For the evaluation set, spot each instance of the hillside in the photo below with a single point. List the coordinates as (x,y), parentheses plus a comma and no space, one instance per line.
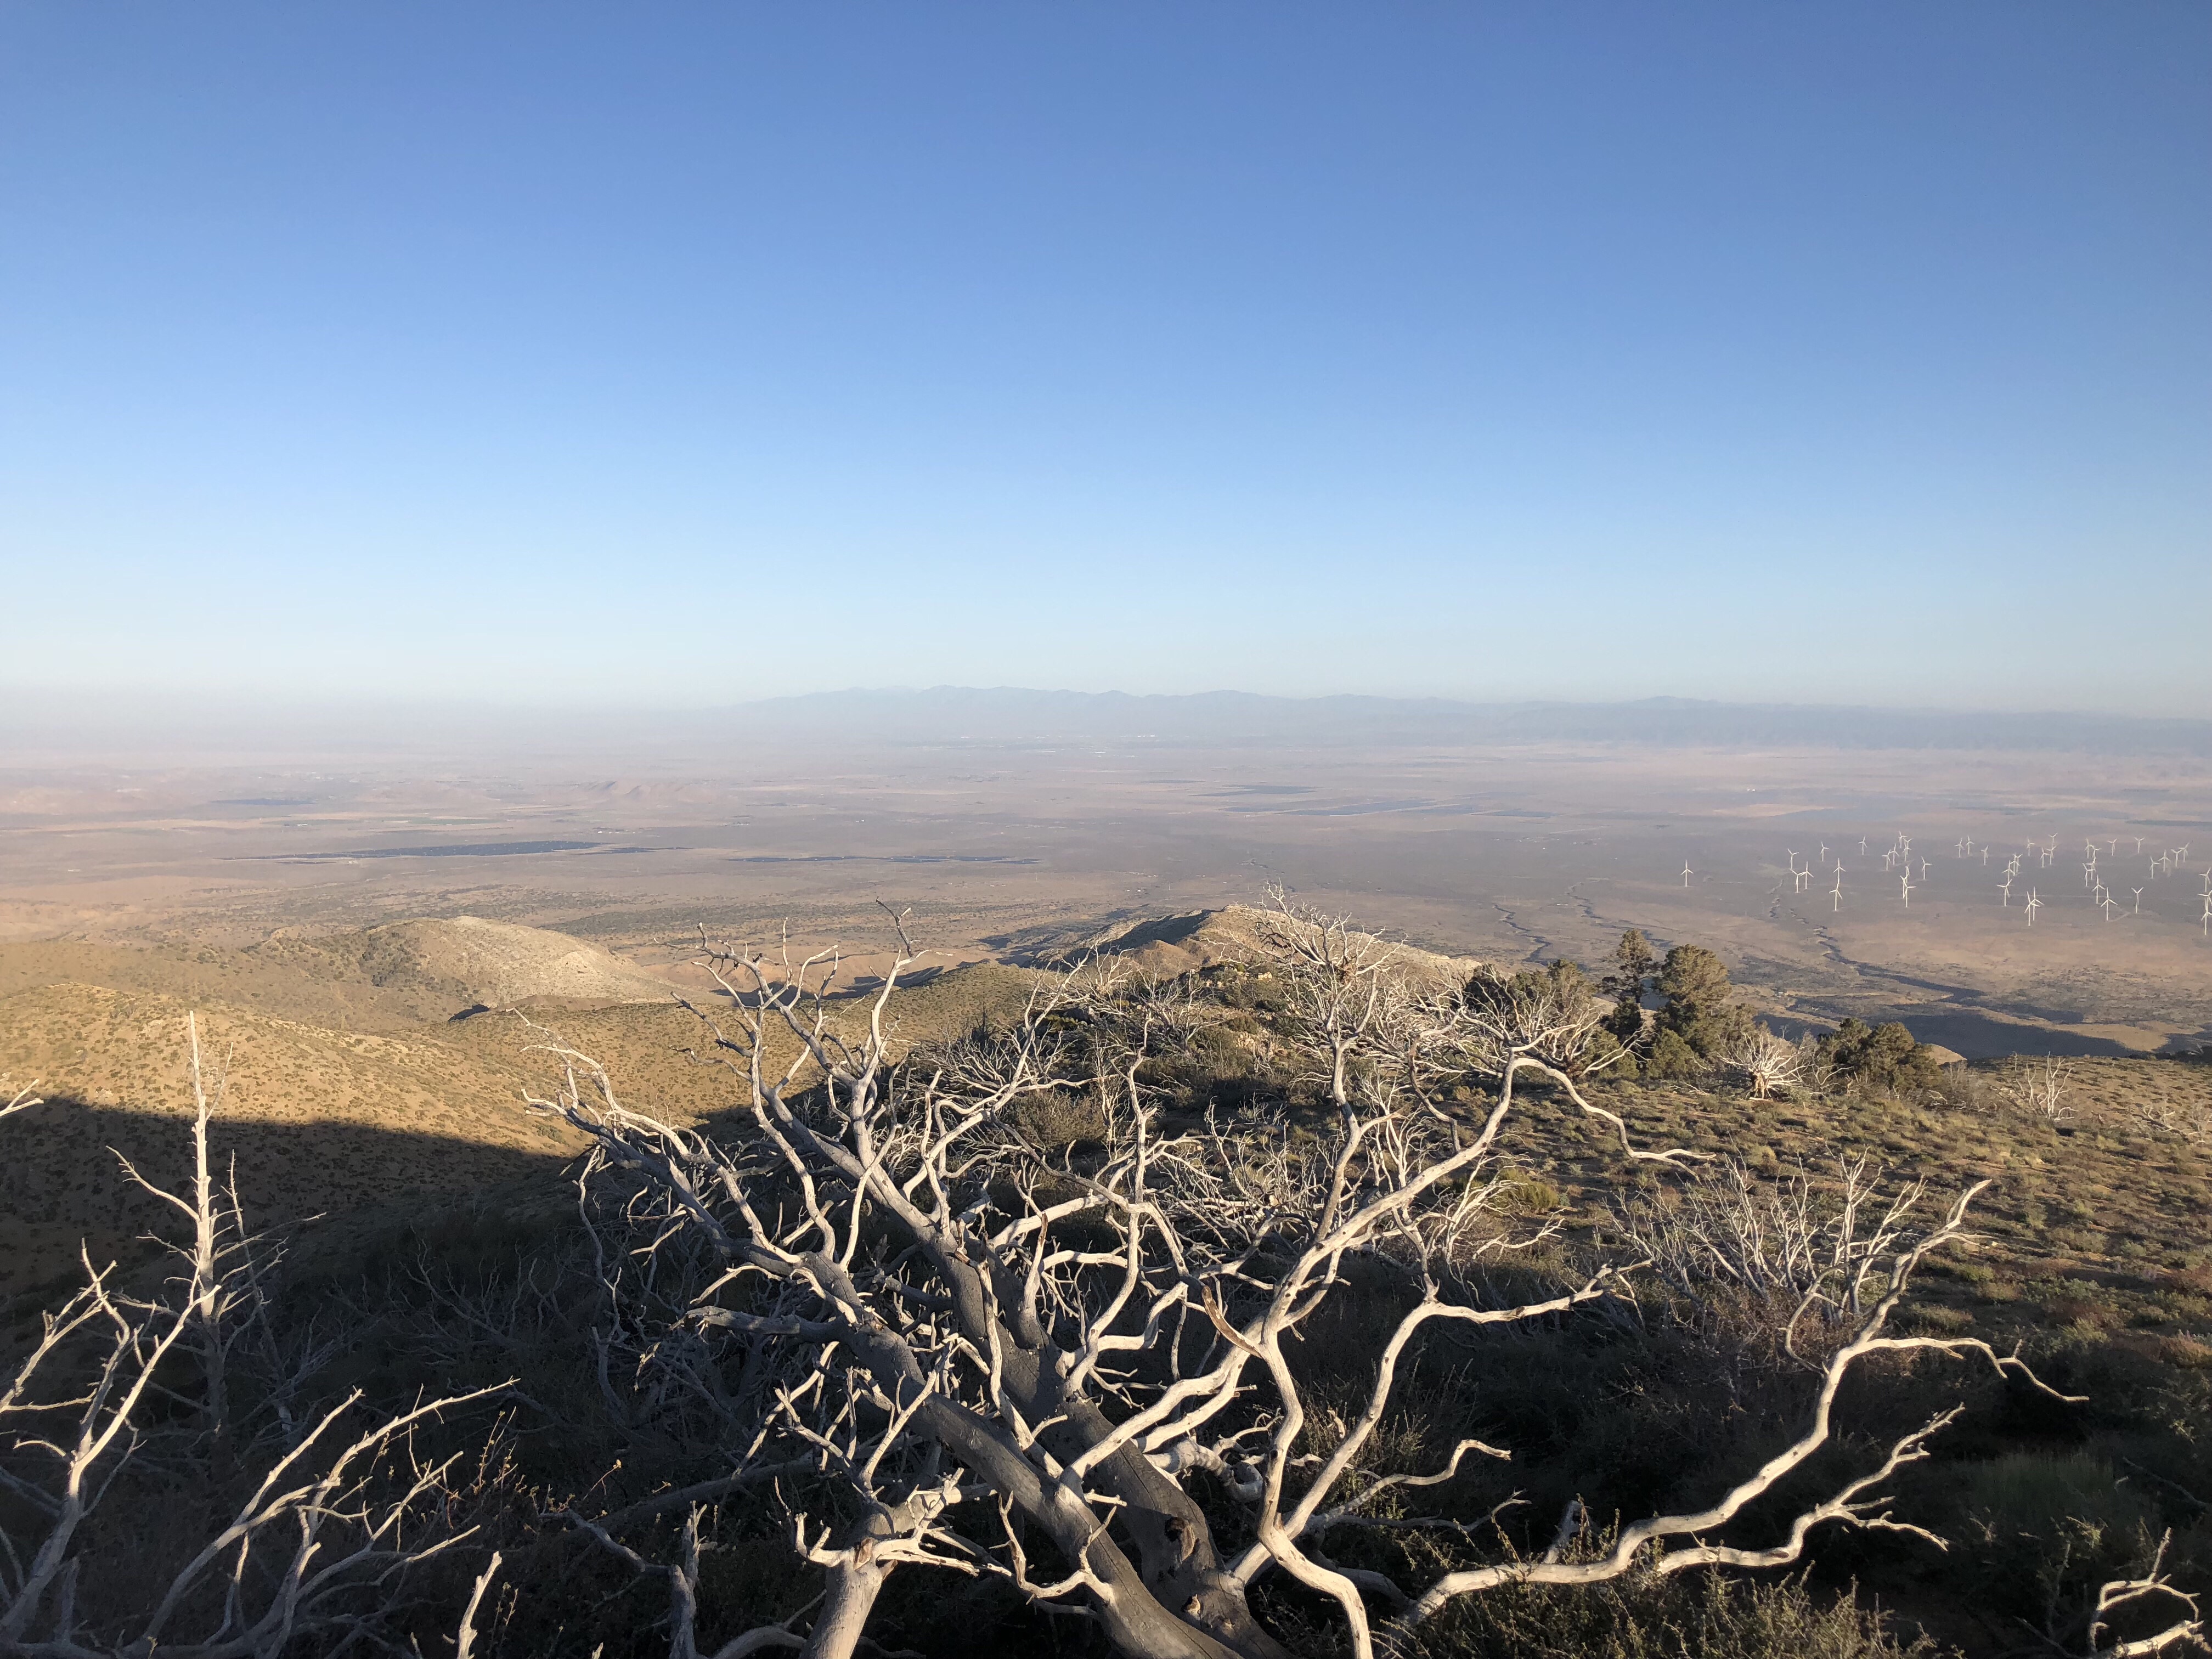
(2089,1245)
(470,962)
(330,1121)
(319,1120)
(297,985)
(661,1058)
(1169,946)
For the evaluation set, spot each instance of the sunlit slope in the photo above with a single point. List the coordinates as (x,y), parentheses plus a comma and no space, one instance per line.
(468,961)
(1169,946)
(296,987)
(663,1059)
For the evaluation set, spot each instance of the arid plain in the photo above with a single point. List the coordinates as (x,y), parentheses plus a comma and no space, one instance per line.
(1510,853)
(375,943)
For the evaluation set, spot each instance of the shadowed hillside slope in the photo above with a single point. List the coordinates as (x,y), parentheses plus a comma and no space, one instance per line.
(326,1121)
(338,1119)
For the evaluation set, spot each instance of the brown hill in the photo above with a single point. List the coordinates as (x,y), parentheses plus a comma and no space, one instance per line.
(320,1121)
(662,1057)
(338,1123)
(299,986)
(469,961)
(1205,938)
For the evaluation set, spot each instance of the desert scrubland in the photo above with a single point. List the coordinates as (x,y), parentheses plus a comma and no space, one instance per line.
(1094,1286)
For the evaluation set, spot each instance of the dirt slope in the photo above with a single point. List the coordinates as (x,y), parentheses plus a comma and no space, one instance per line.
(306,989)
(320,1121)
(333,1122)
(1205,938)
(469,961)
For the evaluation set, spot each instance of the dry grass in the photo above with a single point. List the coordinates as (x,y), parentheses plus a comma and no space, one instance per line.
(328,1121)
(2094,1247)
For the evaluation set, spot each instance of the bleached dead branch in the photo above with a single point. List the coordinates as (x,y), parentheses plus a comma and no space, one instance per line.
(1766,1063)
(2039,1089)
(320,1542)
(929,1311)
(2153,1589)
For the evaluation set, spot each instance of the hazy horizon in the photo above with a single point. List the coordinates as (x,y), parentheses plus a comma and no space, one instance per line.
(50,725)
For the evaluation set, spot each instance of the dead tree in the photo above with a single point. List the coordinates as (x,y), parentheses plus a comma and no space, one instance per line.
(2153,1589)
(1766,1063)
(977,1347)
(319,1541)
(2042,1090)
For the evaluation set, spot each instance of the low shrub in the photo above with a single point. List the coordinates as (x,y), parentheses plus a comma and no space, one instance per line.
(1683,1617)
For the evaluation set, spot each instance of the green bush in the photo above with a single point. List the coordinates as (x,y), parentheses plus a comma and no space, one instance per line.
(1883,1060)
(1671,1059)
(1701,1012)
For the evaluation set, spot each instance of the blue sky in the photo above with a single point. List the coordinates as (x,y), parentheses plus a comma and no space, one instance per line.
(682,353)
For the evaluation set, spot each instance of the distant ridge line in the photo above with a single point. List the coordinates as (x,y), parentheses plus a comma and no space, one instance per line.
(157,729)
(1003,711)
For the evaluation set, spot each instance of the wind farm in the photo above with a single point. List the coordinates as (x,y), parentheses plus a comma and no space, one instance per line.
(1943,911)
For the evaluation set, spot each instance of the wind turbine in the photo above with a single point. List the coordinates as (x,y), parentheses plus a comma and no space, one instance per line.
(1686,873)
(2207,912)
(1905,884)
(1839,887)
(2138,909)
(2035,904)
(2108,902)
(2005,888)
(1824,855)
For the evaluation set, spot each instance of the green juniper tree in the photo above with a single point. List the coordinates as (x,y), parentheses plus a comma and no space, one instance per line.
(1634,963)
(1701,1023)
(1558,989)
(1885,1059)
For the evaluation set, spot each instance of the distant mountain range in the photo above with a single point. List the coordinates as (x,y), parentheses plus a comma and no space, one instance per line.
(1001,714)
(48,724)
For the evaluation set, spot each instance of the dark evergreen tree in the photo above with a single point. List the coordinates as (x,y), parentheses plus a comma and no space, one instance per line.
(1885,1059)
(1562,987)
(1701,1022)
(1633,965)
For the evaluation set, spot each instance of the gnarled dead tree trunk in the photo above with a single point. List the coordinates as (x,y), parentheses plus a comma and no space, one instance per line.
(318,1543)
(975,1343)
